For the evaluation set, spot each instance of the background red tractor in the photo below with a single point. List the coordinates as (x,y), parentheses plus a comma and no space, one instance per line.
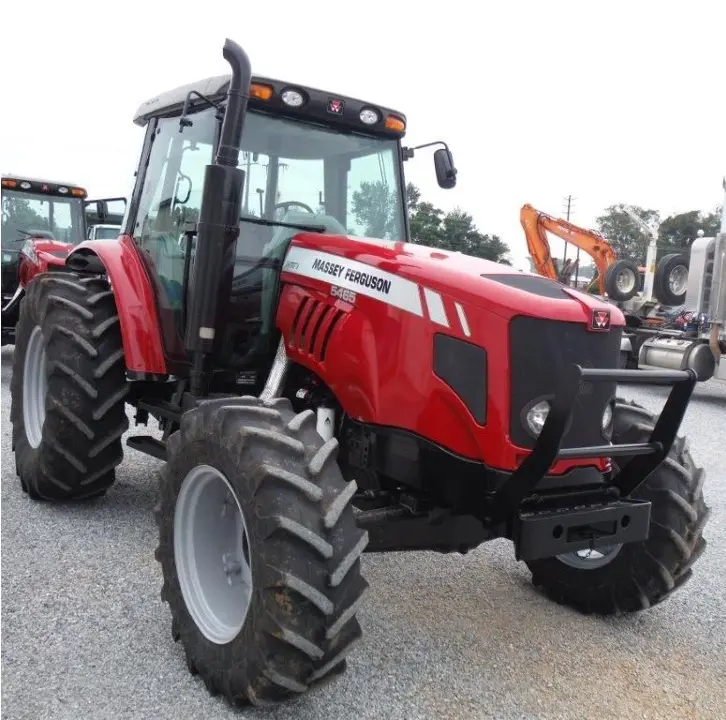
(42,220)
(326,388)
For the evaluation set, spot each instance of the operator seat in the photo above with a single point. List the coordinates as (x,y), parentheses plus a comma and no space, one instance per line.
(276,249)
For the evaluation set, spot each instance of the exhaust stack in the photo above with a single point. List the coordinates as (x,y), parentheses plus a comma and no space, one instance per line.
(210,283)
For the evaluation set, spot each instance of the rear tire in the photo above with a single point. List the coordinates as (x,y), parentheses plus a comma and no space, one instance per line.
(638,575)
(68,388)
(621,280)
(670,281)
(301,557)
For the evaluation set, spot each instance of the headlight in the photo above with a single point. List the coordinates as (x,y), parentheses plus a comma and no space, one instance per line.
(537,416)
(28,250)
(607,418)
(293,98)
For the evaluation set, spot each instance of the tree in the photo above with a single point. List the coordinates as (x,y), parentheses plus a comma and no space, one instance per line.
(374,207)
(677,232)
(17,214)
(453,231)
(625,236)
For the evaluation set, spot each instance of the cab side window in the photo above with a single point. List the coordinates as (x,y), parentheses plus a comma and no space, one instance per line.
(172,196)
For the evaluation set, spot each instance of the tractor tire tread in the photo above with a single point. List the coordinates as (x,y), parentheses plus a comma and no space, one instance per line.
(85,403)
(306,567)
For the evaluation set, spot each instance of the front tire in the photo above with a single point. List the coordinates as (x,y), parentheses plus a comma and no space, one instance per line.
(68,388)
(293,550)
(637,576)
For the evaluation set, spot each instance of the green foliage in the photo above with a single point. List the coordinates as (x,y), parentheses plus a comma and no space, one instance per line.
(17,214)
(374,207)
(675,233)
(625,236)
(453,231)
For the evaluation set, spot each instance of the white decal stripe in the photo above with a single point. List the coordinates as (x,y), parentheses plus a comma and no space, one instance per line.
(462,319)
(437,311)
(359,277)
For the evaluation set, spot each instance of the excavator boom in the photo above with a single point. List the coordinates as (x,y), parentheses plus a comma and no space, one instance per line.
(537,223)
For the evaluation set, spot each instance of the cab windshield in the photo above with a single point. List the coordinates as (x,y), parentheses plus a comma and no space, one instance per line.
(349,183)
(27,214)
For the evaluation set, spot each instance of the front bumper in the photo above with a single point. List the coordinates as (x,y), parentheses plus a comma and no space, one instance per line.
(543,526)
(548,533)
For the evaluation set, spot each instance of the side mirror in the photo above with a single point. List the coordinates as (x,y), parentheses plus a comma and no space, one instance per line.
(102,210)
(445,170)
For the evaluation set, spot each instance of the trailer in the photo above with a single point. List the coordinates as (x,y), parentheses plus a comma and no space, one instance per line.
(694,334)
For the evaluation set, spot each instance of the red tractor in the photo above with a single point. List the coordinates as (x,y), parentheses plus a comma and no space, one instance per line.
(325,388)
(42,220)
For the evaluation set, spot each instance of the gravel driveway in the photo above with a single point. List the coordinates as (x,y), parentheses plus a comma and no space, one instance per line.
(85,636)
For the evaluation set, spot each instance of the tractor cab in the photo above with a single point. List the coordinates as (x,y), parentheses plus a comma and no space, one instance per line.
(313,161)
(42,221)
(34,211)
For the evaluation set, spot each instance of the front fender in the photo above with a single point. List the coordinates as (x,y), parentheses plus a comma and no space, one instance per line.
(135,299)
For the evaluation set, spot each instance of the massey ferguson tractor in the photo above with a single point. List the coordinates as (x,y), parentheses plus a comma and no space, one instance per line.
(42,220)
(323,387)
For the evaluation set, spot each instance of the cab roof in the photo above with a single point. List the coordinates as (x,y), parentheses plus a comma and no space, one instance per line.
(36,181)
(321,105)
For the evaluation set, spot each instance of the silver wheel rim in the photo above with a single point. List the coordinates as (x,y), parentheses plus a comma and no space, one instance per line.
(678,280)
(590,559)
(625,281)
(35,387)
(212,554)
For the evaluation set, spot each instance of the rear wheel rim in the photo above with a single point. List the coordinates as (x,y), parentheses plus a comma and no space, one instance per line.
(212,554)
(625,281)
(678,280)
(35,387)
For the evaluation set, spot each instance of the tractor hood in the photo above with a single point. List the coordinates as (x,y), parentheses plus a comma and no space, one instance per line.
(396,269)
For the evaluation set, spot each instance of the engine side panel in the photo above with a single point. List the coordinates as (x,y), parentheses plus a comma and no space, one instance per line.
(378,361)
(390,353)
(135,300)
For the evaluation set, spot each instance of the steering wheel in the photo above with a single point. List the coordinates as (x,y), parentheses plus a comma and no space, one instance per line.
(286,205)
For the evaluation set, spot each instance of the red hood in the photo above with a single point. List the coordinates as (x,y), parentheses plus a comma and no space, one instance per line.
(495,287)
(54,247)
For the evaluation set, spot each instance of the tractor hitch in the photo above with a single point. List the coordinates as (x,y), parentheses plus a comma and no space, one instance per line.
(555,532)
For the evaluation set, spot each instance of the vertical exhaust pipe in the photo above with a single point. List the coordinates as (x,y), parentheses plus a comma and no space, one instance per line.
(210,283)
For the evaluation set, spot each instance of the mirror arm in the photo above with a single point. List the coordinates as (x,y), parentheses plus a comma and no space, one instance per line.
(408,152)
(184,121)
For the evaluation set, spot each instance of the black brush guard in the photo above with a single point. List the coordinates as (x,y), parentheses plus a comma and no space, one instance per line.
(610,516)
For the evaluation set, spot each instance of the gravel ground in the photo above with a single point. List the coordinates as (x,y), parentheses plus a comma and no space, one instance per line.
(85,634)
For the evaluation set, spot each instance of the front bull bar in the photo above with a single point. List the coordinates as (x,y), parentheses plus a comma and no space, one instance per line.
(542,534)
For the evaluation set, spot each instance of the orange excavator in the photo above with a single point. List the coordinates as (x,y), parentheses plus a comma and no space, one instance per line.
(619,279)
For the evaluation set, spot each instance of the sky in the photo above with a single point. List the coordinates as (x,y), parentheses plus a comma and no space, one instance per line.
(608,102)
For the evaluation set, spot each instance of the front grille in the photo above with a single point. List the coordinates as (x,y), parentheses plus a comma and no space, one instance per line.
(540,350)
(313,327)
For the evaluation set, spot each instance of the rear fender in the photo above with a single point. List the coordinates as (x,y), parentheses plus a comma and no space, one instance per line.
(135,299)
